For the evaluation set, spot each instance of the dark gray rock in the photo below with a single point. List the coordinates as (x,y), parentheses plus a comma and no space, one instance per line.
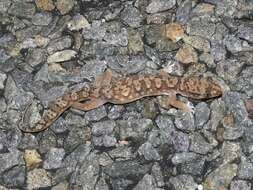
(70,162)
(169,135)
(245,170)
(202,114)
(183,182)
(15,177)
(201,27)
(115,111)
(4,5)
(22,9)
(147,183)
(53,158)
(246,32)
(96,114)
(58,44)
(131,16)
(185,122)
(229,68)
(3,56)
(11,159)
(36,57)
(244,82)
(160,5)
(149,152)
(87,173)
(240,185)
(42,18)
(127,169)
(137,128)
(199,144)
(235,45)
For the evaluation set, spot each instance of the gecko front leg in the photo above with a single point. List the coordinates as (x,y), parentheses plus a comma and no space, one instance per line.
(171,100)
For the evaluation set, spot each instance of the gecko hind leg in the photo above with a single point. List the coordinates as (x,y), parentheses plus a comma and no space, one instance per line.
(171,100)
(88,105)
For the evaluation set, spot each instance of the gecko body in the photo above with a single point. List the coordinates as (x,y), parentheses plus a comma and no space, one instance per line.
(107,89)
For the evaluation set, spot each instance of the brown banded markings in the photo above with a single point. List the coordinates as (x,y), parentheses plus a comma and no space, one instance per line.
(50,115)
(171,81)
(137,85)
(147,82)
(158,82)
(125,91)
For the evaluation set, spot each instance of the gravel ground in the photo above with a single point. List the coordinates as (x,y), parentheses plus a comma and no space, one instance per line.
(48,47)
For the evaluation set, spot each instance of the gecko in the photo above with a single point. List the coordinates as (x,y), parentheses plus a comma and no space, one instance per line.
(109,89)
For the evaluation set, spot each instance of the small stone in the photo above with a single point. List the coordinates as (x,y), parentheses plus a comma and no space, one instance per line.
(197,42)
(4,5)
(36,56)
(131,16)
(42,19)
(149,152)
(32,159)
(127,169)
(103,133)
(78,22)
(229,68)
(199,144)
(240,185)
(61,56)
(54,158)
(174,67)
(3,56)
(134,128)
(203,9)
(147,183)
(221,177)
(245,170)
(187,55)
(22,9)
(59,44)
(202,114)
(204,27)
(135,43)
(230,152)
(184,157)
(96,114)
(119,38)
(9,160)
(38,178)
(160,5)
(185,122)
(157,18)
(208,59)
(246,32)
(103,128)
(61,186)
(64,6)
(14,177)
(3,78)
(235,44)
(174,31)
(183,182)
(46,5)
(41,41)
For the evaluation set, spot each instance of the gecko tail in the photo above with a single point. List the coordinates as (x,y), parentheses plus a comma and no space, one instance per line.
(55,110)
(49,116)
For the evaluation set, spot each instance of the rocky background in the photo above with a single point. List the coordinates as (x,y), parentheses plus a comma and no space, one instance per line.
(48,47)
